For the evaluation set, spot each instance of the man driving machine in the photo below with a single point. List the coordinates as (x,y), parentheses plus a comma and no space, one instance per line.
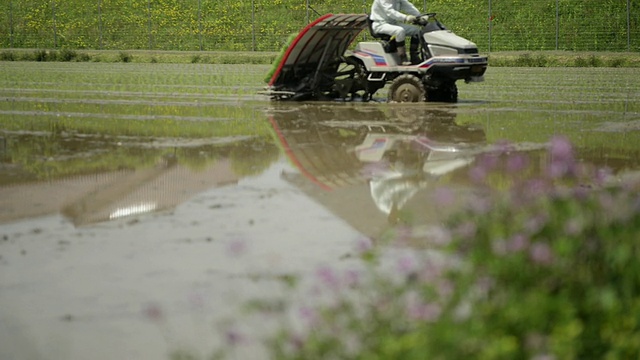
(392,17)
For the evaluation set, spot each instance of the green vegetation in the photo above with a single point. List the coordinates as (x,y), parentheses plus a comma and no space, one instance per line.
(278,58)
(139,56)
(87,117)
(264,25)
(563,59)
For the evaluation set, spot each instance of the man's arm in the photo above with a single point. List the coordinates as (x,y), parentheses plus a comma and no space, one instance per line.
(386,6)
(408,7)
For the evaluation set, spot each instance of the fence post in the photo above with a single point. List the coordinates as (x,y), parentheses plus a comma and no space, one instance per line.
(557,24)
(253,25)
(11,23)
(149,25)
(490,25)
(100,23)
(55,31)
(629,25)
(200,23)
(307,11)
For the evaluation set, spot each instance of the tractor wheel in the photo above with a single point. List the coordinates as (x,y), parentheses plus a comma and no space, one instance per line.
(447,92)
(351,80)
(407,88)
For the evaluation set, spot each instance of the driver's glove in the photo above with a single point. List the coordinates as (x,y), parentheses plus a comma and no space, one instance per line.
(422,20)
(411,19)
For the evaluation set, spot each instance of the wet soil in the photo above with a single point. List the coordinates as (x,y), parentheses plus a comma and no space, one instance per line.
(134,239)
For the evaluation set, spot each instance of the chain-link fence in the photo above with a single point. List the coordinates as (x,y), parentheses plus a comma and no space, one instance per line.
(264,25)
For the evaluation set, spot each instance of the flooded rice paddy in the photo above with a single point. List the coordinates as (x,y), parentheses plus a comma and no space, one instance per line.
(140,203)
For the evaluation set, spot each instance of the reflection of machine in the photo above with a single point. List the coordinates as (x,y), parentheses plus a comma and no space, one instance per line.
(318,65)
(365,165)
(389,189)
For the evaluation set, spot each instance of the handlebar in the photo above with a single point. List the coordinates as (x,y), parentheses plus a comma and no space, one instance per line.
(423,19)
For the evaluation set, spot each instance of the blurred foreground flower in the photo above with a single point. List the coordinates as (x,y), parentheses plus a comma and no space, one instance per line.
(543,268)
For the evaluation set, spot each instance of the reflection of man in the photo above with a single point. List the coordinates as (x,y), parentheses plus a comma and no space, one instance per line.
(390,17)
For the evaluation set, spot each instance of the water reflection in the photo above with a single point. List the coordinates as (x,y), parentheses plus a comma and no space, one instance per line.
(375,166)
(94,178)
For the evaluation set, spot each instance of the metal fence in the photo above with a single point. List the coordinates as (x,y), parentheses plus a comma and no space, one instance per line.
(264,25)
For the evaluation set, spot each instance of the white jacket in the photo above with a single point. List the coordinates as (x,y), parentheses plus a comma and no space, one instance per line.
(392,11)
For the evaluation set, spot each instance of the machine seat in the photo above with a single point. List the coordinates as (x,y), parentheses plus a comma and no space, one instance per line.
(389,45)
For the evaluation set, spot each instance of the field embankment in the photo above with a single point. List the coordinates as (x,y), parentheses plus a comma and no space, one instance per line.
(497,59)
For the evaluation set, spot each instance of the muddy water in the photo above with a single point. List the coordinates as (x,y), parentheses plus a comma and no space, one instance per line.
(139,204)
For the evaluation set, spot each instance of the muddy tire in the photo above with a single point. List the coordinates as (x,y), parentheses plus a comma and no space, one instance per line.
(407,88)
(445,93)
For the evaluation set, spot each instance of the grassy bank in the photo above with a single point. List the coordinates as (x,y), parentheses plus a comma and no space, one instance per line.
(564,59)
(263,25)
(497,59)
(139,56)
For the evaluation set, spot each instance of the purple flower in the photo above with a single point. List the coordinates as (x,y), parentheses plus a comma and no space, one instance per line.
(236,247)
(439,236)
(517,243)
(363,245)
(233,337)
(153,312)
(485,284)
(517,163)
(480,205)
(541,253)
(328,277)
(444,196)
(561,149)
(431,271)
(308,315)
(466,230)
(417,309)
(607,202)
(573,227)
(535,223)
(352,277)
(445,289)
(297,341)
(425,312)
(407,264)
(403,234)
(535,188)
(562,160)
(478,174)
(488,162)
(581,193)
(504,146)
(558,169)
